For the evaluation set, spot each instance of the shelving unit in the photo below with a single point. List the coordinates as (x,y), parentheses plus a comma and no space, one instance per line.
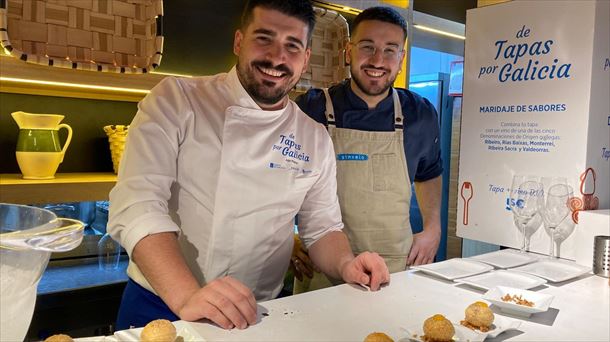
(25,78)
(18,77)
(66,187)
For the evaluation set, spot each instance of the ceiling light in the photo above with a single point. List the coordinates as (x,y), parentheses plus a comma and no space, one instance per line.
(444,33)
(170,74)
(74,85)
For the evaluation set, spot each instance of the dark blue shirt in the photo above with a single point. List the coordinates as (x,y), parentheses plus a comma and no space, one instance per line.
(421,131)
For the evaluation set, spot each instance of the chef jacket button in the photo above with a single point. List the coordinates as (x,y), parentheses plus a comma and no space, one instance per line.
(398,119)
(331,116)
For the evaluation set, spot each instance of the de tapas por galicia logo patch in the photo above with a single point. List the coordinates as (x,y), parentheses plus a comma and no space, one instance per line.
(523,58)
(288,147)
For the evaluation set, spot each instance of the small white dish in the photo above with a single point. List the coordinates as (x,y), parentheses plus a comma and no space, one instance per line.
(500,325)
(462,334)
(554,270)
(505,258)
(184,333)
(454,268)
(502,278)
(541,301)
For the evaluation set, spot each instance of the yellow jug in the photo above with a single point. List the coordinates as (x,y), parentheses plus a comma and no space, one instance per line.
(39,151)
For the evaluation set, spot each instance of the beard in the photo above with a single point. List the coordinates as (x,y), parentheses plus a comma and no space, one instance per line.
(265,92)
(375,89)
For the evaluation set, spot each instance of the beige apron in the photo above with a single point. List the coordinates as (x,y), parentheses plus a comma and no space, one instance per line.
(374,192)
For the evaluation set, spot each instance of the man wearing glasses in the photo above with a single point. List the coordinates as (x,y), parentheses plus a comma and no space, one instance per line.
(384,138)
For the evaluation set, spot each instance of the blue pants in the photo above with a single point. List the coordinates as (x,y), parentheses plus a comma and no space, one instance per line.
(140,306)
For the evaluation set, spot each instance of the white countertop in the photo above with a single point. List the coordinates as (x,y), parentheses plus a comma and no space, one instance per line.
(579,312)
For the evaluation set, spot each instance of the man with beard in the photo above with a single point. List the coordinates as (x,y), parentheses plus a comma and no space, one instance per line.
(215,170)
(384,139)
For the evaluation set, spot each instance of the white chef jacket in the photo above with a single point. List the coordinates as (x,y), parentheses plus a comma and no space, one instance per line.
(202,159)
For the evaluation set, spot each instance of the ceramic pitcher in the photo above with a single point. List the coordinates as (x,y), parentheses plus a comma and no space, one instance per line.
(39,150)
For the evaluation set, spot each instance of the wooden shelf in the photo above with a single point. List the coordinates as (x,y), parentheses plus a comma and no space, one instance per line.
(66,187)
(25,78)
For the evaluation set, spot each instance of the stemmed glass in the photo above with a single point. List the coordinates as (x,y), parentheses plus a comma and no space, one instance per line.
(108,253)
(562,231)
(554,207)
(523,201)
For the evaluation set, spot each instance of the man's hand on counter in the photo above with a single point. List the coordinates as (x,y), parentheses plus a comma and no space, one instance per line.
(225,301)
(333,255)
(366,269)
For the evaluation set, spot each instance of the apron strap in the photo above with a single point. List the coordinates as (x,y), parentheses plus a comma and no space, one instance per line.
(330,111)
(398,118)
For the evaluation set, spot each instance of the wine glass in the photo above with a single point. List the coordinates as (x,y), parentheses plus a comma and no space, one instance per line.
(563,231)
(523,204)
(528,229)
(108,253)
(554,207)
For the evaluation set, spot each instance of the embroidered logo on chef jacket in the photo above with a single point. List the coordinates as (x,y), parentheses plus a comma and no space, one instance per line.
(293,154)
(352,156)
(288,147)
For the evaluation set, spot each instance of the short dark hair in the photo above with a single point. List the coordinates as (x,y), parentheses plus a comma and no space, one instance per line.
(381,13)
(300,9)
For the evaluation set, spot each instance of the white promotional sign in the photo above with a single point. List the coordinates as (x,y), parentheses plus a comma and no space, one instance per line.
(536,102)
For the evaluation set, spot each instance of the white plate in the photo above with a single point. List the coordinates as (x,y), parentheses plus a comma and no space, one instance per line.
(454,268)
(183,329)
(505,258)
(541,300)
(500,325)
(554,270)
(502,278)
(462,334)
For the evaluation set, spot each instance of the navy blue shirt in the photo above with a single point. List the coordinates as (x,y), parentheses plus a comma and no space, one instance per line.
(421,131)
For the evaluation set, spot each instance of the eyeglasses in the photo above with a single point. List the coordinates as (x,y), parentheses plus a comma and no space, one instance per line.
(369,49)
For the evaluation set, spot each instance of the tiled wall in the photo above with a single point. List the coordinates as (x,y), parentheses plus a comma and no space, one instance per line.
(454,243)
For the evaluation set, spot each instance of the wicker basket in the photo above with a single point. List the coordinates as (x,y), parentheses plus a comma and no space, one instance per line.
(117,134)
(327,62)
(123,36)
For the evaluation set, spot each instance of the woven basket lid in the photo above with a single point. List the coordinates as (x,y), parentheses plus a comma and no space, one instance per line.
(123,36)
